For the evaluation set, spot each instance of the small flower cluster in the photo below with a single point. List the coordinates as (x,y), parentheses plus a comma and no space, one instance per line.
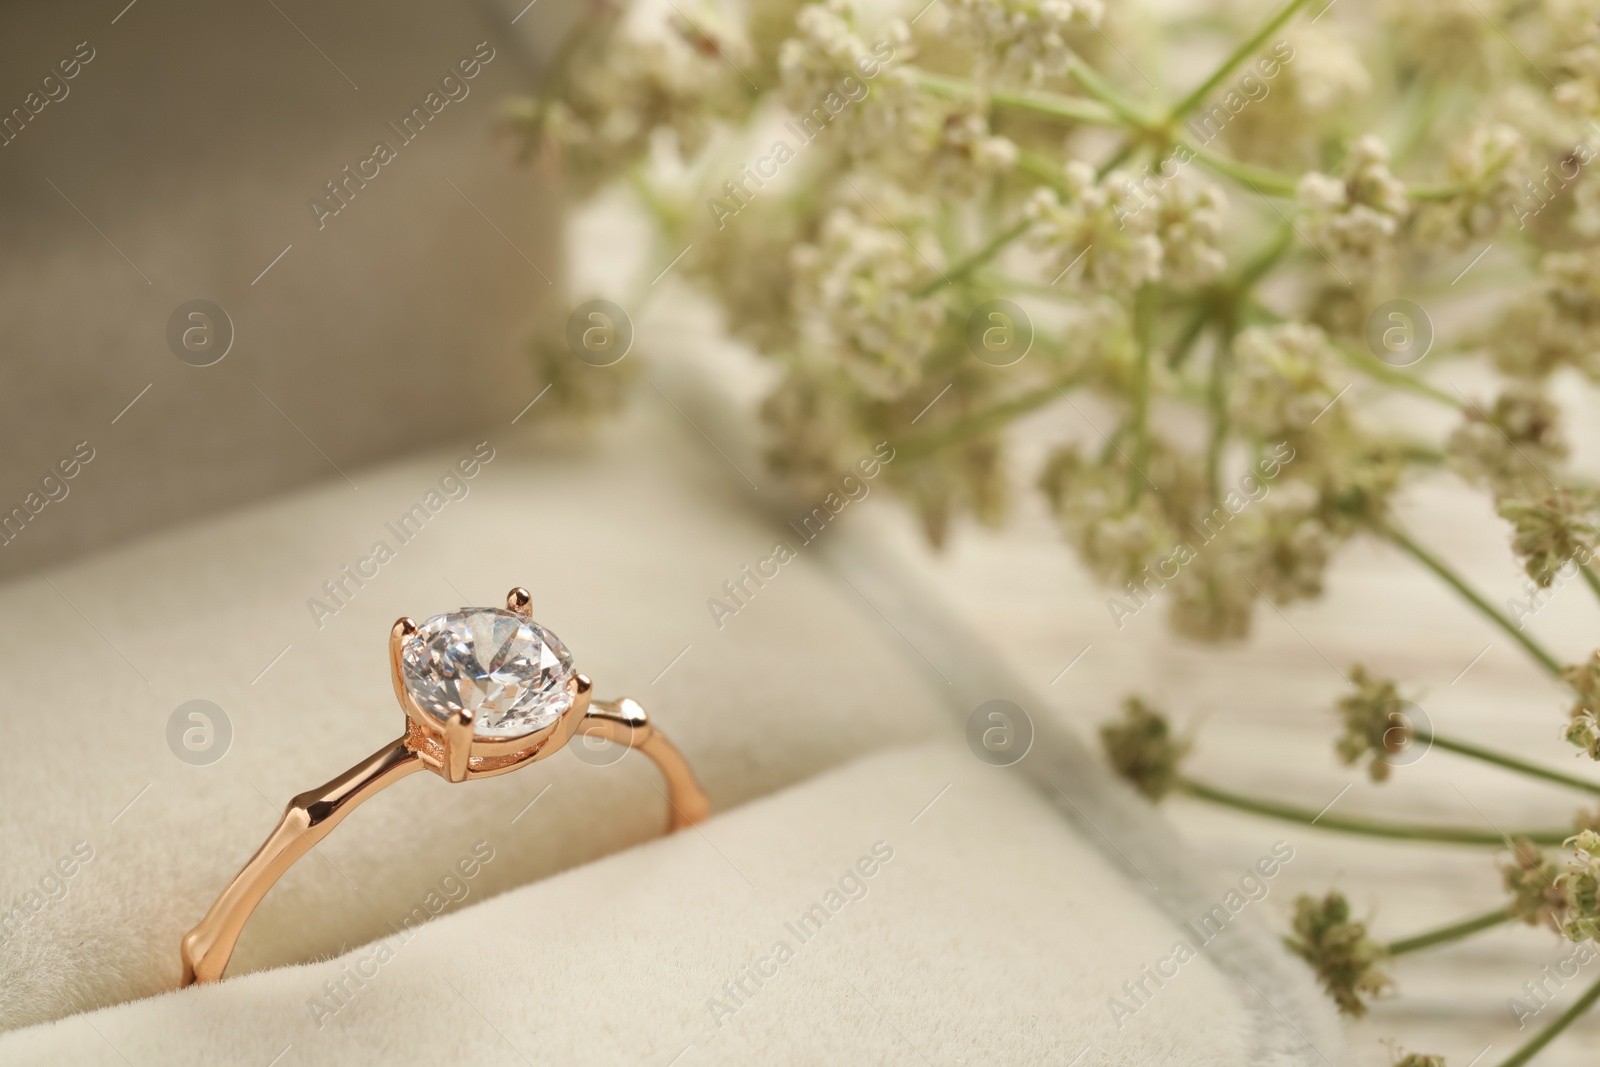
(1419,1059)
(1583,726)
(1556,322)
(1115,541)
(1534,881)
(1489,166)
(626,81)
(1355,219)
(1337,947)
(1143,750)
(825,50)
(967,155)
(1511,446)
(1104,222)
(1376,724)
(1580,883)
(856,289)
(1026,39)
(1550,531)
(1213,300)
(1285,379)
(1309,102)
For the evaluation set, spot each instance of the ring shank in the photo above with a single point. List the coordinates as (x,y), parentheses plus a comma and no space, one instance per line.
(624,722)
(312,815)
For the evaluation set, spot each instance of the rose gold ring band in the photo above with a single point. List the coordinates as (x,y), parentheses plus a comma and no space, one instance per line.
(451,750)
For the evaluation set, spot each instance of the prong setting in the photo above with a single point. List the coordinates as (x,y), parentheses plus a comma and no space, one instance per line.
(403,628)
(458,746)
(450,746)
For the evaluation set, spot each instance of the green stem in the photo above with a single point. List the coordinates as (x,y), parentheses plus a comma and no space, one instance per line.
(1041,169)
(1538,1041)
(1253,271)
(1125,114)
(1217,402)
(1107,94)
(1510,763)
(1229,65)
(1354,824)
(1261,179)
(1143,325)
(1227,312)
(1590,578)
(981,422)
(1470,595)
(1434,193)
(1421,111)
(1270,182)
(977,259)
(1423,455)
(1378,370)
(1189,334)
(1052,105)
(1011,285)
(1118,158)
(1453,932)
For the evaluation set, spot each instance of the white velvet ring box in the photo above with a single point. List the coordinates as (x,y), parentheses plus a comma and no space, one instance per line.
(868,891)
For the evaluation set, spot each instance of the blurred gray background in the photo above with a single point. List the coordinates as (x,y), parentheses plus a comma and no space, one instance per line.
(179,166)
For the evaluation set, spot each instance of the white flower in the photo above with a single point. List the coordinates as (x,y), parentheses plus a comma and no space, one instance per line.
(635,81)
(1320,192)
(1556,323)
(994,154)
(855,289)
(1129,232)
(1284,379)
(1580,95)
(1025,38)
(1327,71)
(832,77)
(1090,500)
(1294,546)
(1091,226)
(1488,167)
(1512,445)
(1319,77)
(827,49)
(959,154)
(1354,221)
(1189,223)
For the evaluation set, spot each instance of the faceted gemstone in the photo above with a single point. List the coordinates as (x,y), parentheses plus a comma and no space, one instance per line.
(510,673)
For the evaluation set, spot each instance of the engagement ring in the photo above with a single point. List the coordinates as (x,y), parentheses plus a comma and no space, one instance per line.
(485,691)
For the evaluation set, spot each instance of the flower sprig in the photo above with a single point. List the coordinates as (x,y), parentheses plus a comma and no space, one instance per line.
(1206,261)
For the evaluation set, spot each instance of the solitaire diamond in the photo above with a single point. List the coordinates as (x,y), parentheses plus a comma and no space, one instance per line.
(510,673)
